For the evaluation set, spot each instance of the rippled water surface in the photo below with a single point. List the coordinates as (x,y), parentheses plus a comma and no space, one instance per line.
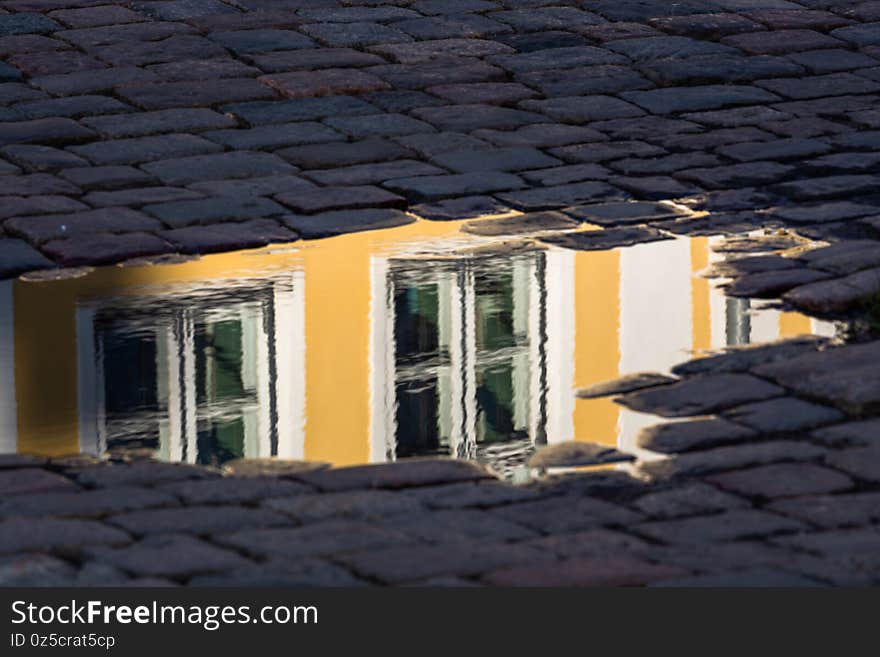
(362,348)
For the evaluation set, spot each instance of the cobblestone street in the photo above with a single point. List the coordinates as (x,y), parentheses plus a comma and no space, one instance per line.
(136,129)
(779,487)
(133,131)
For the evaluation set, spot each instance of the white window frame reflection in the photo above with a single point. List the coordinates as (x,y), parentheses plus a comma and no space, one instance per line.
(271,313)
(542,373)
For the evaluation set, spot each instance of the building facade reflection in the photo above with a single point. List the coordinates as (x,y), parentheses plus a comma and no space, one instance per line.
(357,349)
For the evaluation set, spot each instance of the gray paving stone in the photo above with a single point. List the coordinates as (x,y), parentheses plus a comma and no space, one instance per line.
(51,534)
(783,480)
(838,295)
(400,474)
(429,145)
(724,558)
(260,186)
(306,573)
(822,212)
(427,188)
(832,60)
(85,504)
(551,198)
(335,154)
(41,158)
(567,174)
(227,236)
(571,454)
(541,135)
(271,467)
(566,514)
(332,537)
(664,47)
(44,131)
(731,457)
(742,358)
(860,462)
(26,23)
(783,414)
(41,228)
(585,571)
(593,152)
(17,256)
(860,432)
(147,123)
(258,41)
(237,164)
(139,474)
(496,93)
(819,86)
(464,118)
(313,58)
(360,505)
(452,525)
(232,491)
(774,150)
(606,239)
(376,172)
(396,565)
(275,136)
(32,481)
(784,41)
(468,494)
(339,222)
(179,214)
(299,109)
(34,570)
(835,542)
(109,177)
(590,543)
(38,183)
(92,80)
(693,99)
(830,511)
(465,207)
(627,383)
(302,84)
(844,376)
(827,187)
(340,198)
(138,196)
(355,35)
(690,499)
(145,149)
(673,437)
(737,175)
(447,70)
(603,79)
(583,109)
(170,556)
(722,527)
(196,520)
(771,284)
(627,212)
(514,158)
(532,222)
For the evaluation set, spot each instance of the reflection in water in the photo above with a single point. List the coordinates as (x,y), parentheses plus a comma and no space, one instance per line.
(361,348)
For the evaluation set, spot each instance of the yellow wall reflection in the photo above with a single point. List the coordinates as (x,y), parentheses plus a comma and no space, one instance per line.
(357,348)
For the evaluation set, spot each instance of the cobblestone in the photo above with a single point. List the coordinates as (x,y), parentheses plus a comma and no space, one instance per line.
(203,125)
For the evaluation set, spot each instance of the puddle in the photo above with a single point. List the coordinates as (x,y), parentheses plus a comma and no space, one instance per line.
(363,348)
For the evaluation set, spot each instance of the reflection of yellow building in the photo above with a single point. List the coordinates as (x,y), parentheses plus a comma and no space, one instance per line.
(352,349)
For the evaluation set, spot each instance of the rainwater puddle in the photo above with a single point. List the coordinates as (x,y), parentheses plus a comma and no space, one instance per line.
(368,347)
